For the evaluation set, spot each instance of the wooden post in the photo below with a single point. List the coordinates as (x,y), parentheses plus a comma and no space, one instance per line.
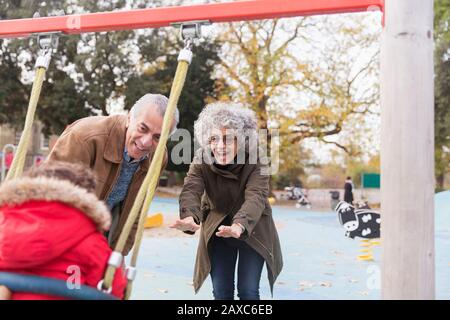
(407,151)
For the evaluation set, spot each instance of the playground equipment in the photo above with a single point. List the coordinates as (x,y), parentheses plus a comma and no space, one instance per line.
(362,223)
(367,245)
(154,221)
(48,286)
(367,253)
(407,114)
(298,194)
(5,149)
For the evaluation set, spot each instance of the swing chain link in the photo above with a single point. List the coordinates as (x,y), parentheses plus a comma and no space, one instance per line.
(188,43)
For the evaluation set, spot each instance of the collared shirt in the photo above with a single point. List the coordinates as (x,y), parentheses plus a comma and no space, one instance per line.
(127,169)
(127,157)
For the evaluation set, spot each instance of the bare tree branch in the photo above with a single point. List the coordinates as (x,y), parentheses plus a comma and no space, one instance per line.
(235,77)
(336,144)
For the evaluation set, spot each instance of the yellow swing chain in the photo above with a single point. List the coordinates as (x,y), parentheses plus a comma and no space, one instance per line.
(148,187)
(46,44)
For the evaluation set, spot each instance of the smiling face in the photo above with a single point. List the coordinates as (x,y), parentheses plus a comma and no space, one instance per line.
(223,145)
(143,132)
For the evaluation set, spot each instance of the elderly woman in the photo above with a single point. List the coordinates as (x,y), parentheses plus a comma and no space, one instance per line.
(227,194)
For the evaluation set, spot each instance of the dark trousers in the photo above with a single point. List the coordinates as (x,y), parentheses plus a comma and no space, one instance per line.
(224,254)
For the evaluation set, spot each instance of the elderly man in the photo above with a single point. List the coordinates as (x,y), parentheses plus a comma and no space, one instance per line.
(119,149)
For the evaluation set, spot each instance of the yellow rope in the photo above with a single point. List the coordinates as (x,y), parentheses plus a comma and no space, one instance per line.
(149,184)
(21,152)
(180,77)
(148,187)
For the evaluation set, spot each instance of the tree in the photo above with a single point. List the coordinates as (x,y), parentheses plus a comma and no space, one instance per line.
(356,168)
(105,61)
(442,91)
(293,160)
(265,61)
(311,78)
(161,51)
(442,113)
(13,93)
(441,18)
(60,103)
(90,73)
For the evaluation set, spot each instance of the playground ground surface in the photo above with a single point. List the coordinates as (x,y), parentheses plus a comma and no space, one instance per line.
(319,261)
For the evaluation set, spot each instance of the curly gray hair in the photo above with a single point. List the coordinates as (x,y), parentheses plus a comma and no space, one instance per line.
(225,115)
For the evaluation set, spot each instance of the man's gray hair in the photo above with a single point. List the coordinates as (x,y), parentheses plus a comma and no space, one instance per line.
(160,102)
(224,115)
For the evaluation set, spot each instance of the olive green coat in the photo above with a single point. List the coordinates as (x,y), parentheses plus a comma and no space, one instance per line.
(210,194)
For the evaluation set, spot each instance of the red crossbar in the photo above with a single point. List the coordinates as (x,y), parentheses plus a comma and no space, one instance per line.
(164,16)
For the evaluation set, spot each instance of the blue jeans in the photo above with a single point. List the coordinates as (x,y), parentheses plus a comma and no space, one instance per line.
(224,253)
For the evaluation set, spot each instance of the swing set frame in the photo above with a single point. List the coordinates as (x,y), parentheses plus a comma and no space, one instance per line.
(406,98)
(166,16)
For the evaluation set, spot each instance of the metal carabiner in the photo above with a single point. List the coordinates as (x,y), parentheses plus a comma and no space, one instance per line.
(47,42)
(190,31)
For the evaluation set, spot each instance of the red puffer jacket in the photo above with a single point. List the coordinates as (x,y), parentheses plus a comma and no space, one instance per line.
(53,228)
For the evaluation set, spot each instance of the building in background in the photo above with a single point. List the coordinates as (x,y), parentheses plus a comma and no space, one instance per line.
(39,147)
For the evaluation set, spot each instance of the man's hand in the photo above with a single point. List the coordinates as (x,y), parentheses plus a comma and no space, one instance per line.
(235,231)
(186,224)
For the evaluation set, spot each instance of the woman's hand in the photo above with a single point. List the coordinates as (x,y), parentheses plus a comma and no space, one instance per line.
(5,293)
(186,224)
(235,231)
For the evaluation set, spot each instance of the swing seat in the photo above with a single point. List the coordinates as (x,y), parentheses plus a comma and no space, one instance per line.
(49,286)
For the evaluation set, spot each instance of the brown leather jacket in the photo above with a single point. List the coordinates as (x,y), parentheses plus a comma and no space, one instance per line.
(99,142)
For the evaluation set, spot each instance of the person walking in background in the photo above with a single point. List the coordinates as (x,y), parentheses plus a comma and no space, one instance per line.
(348,190)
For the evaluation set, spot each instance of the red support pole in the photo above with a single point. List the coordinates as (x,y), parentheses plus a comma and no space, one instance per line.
(165,16)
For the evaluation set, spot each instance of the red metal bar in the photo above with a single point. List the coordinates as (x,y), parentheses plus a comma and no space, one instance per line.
(164,16)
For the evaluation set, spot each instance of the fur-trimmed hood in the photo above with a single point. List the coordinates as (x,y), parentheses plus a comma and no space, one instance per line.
(19,191)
